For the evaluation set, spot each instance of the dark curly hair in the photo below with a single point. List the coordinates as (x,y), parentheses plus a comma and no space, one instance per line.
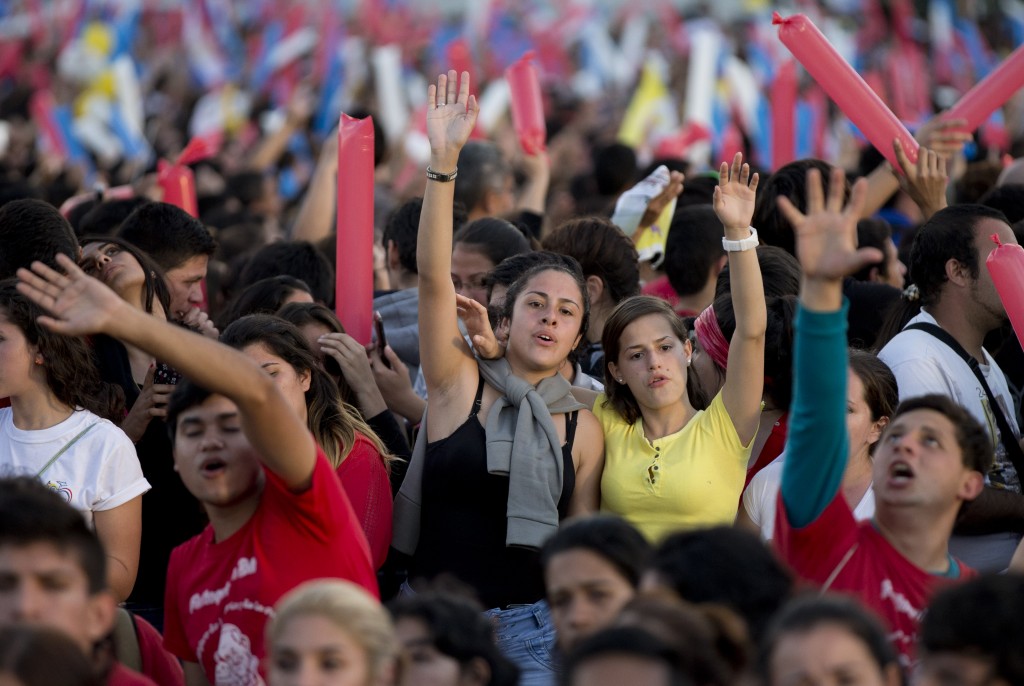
(458,628)
(602,251)
(571,268)
(71,373)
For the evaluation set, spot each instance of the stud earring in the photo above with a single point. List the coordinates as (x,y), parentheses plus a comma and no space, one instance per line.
(687,361)
(620,380)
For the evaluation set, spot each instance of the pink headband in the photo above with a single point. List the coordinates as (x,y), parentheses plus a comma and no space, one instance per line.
(710,337)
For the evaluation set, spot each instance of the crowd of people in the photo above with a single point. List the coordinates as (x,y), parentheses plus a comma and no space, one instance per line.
(619,422)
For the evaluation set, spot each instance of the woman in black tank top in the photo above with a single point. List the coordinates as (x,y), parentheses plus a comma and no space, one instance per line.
(465,526)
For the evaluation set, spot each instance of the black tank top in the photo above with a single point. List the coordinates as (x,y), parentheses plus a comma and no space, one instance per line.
(463,517)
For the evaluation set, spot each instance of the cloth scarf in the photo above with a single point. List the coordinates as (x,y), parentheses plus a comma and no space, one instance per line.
(521,443)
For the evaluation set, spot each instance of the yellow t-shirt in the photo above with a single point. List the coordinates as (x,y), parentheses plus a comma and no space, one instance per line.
(691,479)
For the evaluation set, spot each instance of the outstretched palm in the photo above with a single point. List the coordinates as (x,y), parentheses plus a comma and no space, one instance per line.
(826,236)
(735,194)
(78,304)
(451,116)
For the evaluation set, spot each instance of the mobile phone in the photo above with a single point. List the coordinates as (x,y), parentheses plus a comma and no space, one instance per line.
(166,374)
(382,339)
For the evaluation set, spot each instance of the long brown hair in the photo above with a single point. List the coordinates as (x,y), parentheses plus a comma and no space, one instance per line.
(619,397)
(333,423)
(71,374)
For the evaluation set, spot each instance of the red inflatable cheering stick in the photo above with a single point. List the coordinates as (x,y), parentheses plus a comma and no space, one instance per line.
(353,298)
(1006,265)
(851,93)
(527,105)
(177,180)
(991,92)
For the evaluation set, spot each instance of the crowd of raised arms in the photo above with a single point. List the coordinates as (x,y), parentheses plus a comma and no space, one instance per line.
(650,422)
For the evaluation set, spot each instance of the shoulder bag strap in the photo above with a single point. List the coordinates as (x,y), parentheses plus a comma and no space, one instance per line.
(1013,449)
(64,449)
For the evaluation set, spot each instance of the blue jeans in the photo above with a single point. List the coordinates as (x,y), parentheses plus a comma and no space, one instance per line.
(525,635)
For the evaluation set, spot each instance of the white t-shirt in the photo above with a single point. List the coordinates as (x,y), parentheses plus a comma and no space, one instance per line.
(99,472)
(923,364)
(762,495)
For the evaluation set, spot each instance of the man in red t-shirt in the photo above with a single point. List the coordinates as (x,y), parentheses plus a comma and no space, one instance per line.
(930,459)
(278,514)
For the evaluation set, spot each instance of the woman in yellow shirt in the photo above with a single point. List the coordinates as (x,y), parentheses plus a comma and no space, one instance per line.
(669,466)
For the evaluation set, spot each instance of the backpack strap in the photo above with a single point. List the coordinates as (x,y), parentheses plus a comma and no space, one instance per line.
(126,641)
(64,449)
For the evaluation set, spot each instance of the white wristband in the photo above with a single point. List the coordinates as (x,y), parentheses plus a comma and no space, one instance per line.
(748,243)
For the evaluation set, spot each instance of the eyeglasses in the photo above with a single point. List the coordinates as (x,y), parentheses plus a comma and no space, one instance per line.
(477,283)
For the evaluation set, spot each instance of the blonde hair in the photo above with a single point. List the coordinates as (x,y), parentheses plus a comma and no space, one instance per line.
(351,609)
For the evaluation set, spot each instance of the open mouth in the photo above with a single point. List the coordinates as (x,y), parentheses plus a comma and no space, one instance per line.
(900,473)
(545,338)
(212,467)
(657,381)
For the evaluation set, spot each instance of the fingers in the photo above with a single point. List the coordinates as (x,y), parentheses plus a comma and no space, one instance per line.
(463,96)
(858,196)
(864,257)
(815,194)
(452,91)
(794,216)
(431,96)
(396,364)
(723,174)
(902,158)
(836,190)
(470,305)
(148,381)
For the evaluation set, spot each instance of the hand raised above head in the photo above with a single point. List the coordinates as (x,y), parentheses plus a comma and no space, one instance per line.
(826,235)
(451,116)
(735,194)
(78,304)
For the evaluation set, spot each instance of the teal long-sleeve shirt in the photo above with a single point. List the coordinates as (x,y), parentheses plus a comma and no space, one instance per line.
(817,445)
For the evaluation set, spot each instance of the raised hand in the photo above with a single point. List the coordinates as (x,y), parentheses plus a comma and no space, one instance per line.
(354,363)
(826,236)
(78,304)
(947,137)
(659,202)
(478,326)
(926,181)
(451,116)
(735,194)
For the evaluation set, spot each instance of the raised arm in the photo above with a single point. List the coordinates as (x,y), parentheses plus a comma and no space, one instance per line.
(444,355)
(80,305)
(817,444)
(744,384)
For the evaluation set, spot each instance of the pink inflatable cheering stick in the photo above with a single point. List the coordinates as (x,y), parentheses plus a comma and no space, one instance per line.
(527,105)
(848,90)
(353,296)
(1006,265)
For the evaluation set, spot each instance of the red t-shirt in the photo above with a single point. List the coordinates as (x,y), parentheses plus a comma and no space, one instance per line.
(122,676)
(157,664)
(366,482)
(848,557)
(220,595)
